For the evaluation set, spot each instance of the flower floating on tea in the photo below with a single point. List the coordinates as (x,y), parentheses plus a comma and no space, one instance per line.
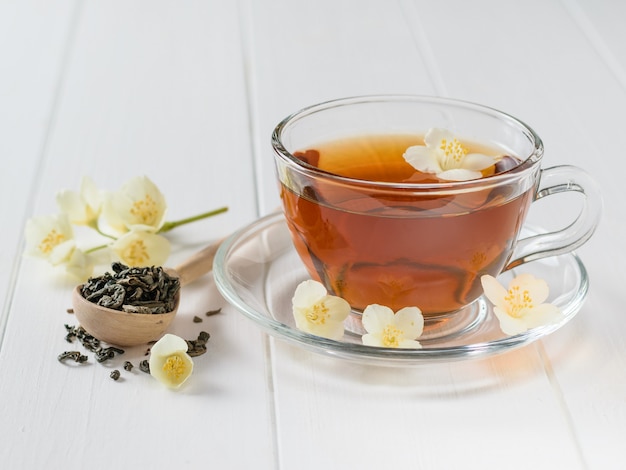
(389,330)
(520,307)
(169,362)
(318,313)
(134,216)
(445,156)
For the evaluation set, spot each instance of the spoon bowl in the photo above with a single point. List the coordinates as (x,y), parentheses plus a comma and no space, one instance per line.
(118,327)
(132,329)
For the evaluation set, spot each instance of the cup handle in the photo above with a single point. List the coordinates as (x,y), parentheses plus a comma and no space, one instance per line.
(557,180)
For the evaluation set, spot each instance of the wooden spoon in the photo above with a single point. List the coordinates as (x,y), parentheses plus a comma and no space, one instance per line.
(131,329)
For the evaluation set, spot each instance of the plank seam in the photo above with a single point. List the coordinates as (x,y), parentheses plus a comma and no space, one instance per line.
(246,40)
(245,24)
(38,175)
(422,44)
(560,398)
(596,41)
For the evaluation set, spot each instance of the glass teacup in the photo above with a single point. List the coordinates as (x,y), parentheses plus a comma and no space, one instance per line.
(373,232)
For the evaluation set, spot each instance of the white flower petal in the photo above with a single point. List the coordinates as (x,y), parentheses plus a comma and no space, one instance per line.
(477,161)
(422,159)
(307,293)
(168,344)
(493,290)
(152,202)
(140,186)
(371,339)
(538,288)
(520,307)
(411,321)
(62,252)
(91,194)
(410,344)
(338,308)
(44,233)
(508,324)
(115,210)
(459,174)
(79,265)
(445,156)
(82,208)
(169,361)
(544,314)
(435,135)
(331,330)
(376,317)
(316,312)
(71,204)
(139,204)
(137,248)
(386,329)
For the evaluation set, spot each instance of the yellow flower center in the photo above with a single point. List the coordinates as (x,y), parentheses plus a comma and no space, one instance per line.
(174,367)
(317,314)
(145,210)
(453,150)
(136,253)
(518,300)
(392,336)
(52,239)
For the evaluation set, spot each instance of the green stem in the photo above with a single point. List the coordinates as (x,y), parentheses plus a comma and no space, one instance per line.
(167,226)
(94,225)
(105,234)
(95,248)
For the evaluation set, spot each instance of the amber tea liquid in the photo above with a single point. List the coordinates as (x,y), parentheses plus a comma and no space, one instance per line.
(402,249)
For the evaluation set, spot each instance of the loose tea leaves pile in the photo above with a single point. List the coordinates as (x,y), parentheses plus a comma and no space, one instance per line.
(90,343)
(133,290)
(196,347)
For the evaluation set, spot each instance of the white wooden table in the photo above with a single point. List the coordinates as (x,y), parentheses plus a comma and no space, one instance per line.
(188,93)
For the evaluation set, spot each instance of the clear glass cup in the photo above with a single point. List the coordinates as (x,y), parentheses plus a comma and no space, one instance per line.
(419,244)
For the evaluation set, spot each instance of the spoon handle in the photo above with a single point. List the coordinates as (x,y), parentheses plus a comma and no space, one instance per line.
(198,264)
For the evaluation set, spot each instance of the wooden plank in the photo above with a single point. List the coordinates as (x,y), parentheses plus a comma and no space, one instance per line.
(33,37)
(359,416)
(304,53)
(569,87)
(470,414)
(151,88)
(597,406)
(601,23)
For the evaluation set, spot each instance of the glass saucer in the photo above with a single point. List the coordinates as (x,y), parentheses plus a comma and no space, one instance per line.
(257,271)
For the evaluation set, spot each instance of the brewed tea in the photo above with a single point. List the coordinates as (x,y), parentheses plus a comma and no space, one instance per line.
(399,248)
